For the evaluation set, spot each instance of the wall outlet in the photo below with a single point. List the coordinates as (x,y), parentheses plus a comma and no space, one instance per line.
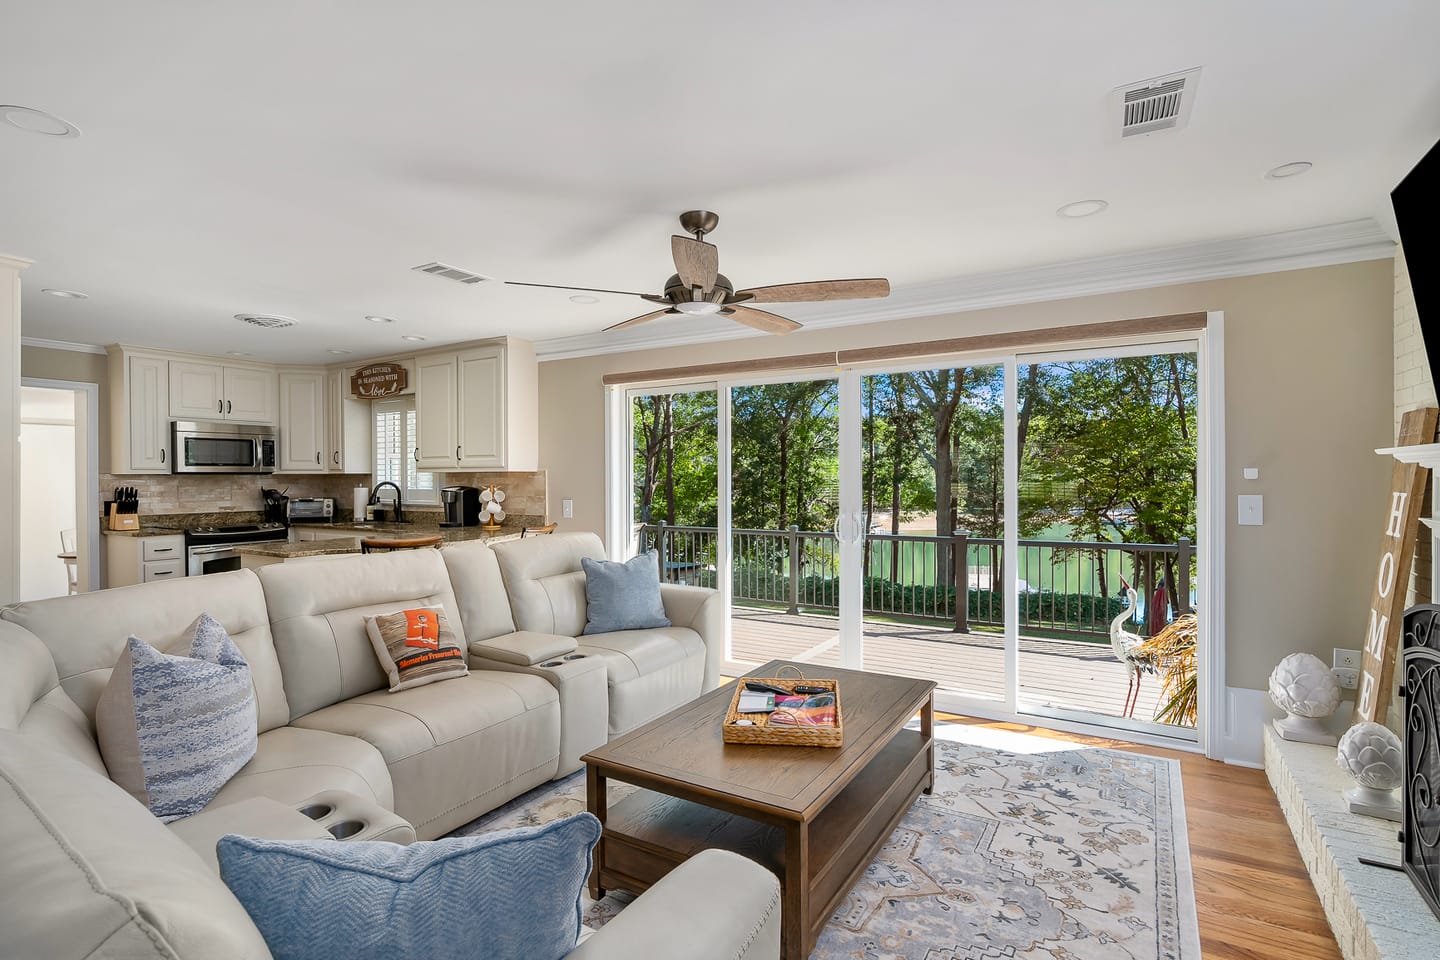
(1349,659)
(1349,677)
(567,509)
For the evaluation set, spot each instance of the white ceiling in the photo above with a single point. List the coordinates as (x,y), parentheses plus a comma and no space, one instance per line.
(300,158)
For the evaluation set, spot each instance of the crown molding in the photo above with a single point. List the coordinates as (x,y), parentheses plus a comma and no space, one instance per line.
(1348,242)
(62,345)
(14,263)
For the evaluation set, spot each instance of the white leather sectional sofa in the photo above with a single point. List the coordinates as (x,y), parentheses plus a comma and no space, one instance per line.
(89,872)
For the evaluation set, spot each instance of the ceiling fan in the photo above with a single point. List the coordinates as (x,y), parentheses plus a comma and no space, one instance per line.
(697,287)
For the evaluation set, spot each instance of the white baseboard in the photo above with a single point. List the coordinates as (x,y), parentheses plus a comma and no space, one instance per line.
(1246,713)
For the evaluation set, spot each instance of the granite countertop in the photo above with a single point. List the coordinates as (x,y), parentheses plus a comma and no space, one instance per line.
(420,528)
(280,550)
(145,530)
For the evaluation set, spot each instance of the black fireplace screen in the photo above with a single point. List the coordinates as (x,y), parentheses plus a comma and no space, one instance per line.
(1420,670)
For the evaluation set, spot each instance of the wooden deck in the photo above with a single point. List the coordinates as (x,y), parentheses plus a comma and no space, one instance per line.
(1059,673)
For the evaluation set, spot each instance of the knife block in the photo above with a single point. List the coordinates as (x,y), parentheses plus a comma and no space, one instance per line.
(123,521)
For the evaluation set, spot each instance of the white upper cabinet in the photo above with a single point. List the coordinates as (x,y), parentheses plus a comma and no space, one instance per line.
(197,390)
(478,408)
(437,409)
(250,395)
(213,391)
(302,423)
(349,427)
(139,413)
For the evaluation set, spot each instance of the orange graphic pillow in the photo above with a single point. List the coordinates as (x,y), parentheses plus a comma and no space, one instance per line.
(416,647)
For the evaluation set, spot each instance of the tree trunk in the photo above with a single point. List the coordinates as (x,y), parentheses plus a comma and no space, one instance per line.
(669,435)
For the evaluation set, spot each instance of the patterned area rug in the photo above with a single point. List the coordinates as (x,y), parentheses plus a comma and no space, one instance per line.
(1073,855)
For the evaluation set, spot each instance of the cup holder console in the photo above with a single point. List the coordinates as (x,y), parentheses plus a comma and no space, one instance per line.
(317,811)
(552,663)
(345,829)
(575,656)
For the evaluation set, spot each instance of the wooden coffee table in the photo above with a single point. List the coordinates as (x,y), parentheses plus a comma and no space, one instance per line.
(815,816)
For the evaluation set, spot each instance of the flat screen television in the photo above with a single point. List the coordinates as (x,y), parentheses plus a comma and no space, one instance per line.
(1417,213)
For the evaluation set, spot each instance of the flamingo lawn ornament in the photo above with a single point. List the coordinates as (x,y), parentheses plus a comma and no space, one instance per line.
(1125,645)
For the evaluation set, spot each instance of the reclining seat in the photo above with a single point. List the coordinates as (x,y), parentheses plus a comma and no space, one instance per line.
(86,633)
(648,672)
(454,748)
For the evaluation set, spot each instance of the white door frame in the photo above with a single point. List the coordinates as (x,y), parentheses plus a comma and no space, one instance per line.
(87,470)
(1210,515)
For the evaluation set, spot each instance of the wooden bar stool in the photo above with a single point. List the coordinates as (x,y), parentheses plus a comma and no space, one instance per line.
(389,544)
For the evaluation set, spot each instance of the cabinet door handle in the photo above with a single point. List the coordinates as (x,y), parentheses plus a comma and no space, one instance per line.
(220,406)
(317,456)
(229,406)
(162,573)
(337,457)
(164,550)
(457,453)
(417,454)
(162,454)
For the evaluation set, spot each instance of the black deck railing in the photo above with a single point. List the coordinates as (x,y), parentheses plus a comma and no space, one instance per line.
(1067,588)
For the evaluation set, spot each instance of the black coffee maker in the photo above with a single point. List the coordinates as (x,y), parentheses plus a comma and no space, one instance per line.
(462,506)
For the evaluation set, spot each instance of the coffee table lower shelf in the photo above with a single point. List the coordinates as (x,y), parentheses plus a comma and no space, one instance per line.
(649,833)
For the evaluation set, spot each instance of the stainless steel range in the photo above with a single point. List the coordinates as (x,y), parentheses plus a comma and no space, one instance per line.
(213,549)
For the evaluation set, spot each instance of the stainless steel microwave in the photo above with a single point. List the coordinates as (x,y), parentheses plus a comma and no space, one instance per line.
(223,447)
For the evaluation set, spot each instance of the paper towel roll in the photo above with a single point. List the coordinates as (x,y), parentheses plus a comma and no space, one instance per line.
(362,497)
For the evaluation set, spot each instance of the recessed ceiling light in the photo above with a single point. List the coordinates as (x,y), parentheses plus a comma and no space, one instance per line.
(238,353)
(37,121)
(1288,170)
(412,338)
(1082,208)
(376,318)
(338,352)
(65,294)
(584,298)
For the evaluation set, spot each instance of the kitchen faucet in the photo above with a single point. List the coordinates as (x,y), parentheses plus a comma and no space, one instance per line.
(399,507)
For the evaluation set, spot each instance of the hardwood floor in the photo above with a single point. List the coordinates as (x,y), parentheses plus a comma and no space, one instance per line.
(1253,896)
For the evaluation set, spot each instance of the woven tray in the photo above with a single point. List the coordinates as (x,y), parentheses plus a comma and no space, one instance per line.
(784,735)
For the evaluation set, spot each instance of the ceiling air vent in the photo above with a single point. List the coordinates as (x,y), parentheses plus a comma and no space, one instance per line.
(438,269)
(1154,106)
(269,321)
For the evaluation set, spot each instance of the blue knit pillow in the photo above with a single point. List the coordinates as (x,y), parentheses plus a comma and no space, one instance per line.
(174,730)
(506,894)
(623,596)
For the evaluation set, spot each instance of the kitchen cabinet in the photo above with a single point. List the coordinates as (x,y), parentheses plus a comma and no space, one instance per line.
(349,427)
(478,408)
(214,391)
(144,559)
(139,412)
(302,422)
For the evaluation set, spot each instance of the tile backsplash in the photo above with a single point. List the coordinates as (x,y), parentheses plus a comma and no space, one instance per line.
(525,493)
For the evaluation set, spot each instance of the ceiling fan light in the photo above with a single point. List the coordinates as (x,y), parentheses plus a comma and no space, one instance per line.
(698,307)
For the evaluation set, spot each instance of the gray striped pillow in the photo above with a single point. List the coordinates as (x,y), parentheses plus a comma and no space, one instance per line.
(174,730)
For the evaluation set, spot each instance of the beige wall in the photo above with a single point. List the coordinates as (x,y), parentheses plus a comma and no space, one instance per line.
(45,363)
(10,427)
(1308,358)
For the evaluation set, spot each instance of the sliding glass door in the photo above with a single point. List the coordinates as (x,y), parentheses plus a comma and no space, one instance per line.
(1020,529)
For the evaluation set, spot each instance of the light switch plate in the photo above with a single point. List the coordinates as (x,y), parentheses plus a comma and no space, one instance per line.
(1252,509)
(567,509)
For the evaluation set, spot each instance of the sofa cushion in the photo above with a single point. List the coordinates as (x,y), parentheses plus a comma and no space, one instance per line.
(415,647)
(623,596)
(318,611)
(292,764)
(455,749)
(629,654)
(32,702)
(85,633)
(544,580)
(172,729)
(479,589)
(523,649)
(508,893)
(90,873)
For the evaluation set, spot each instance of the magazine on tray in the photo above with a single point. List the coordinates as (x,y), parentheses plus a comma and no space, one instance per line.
(817,710)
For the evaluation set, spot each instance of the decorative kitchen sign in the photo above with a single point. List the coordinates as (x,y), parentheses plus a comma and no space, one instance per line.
(378,380)
(1402,519)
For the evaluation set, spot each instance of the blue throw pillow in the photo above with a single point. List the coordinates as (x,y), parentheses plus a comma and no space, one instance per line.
(506,894)
(623,596)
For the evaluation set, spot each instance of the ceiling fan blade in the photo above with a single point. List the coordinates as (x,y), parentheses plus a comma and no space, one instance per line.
(816,291)
(556,286)
(760,320)
(696,261)
(636,321)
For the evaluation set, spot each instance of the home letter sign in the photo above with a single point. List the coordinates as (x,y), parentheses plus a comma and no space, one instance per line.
(1382,633)
(378,380)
